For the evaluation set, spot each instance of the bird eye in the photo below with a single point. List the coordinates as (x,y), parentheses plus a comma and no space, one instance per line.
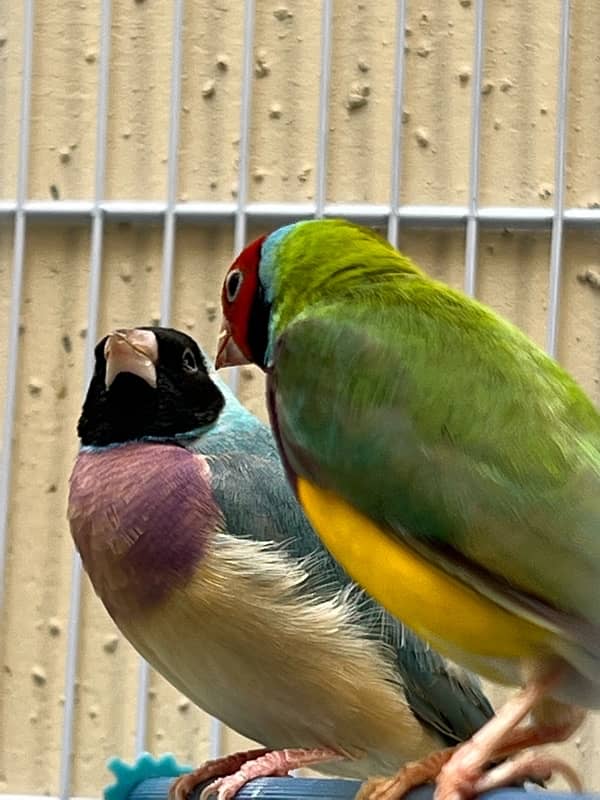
(233,284)
(189,361)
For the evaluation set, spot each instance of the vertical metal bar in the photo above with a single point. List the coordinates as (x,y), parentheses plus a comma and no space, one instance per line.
(239,238)
(396,164)
(239,234)
(94,288)
(472,234)
(239,231)
(166,294)
(556,245)
(141,716)
(16,288)
(324,84)
(215,738)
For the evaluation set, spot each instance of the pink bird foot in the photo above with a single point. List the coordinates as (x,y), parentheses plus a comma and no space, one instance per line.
(530,766)
(217,768)
(460,772)
(413,774)
(462,783)
(465,774)
(233,772)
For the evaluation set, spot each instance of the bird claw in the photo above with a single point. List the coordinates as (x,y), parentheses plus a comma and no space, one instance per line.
(211,789)
(465,774)
(232,772)
(459,780)
(227,788)
(217,768)
(531,766)
(413,774)
(183,786)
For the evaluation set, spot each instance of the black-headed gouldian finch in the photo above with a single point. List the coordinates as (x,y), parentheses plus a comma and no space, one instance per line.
(198,549)
(446,462)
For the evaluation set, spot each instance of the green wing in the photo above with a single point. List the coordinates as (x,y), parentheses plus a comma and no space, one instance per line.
(433,416)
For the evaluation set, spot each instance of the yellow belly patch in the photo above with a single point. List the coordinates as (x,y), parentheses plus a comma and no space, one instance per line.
(435,605)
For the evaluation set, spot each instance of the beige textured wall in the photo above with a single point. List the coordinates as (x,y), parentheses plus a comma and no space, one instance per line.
(518,144)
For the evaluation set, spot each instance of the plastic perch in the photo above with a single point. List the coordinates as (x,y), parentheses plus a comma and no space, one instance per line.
(149,778)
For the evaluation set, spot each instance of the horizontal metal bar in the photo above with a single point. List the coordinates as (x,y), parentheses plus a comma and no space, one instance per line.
(7,207)
(507,215)
(526,217)
(581,217)
(63,208)
(211,212)
(433,216)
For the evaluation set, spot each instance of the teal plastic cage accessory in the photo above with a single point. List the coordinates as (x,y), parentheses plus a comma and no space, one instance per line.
(143,770)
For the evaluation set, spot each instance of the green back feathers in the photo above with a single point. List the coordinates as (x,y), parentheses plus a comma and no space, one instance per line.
(323,262)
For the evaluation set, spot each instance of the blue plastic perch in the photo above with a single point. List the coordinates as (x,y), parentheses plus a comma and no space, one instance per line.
(149,779)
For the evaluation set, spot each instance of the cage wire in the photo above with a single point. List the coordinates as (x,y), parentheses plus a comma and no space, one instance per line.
(393,215)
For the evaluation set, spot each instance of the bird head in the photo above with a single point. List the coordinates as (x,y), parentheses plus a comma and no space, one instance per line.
(243,336)
(149,383)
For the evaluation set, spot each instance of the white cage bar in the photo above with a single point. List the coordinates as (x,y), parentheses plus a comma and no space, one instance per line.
(396,155)
(472,237)
(443,217)
(558,217)
(238,214)
(96,251)
(20,217)
(323,127)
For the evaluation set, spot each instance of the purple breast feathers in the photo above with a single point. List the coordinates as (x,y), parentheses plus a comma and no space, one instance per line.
(141,516)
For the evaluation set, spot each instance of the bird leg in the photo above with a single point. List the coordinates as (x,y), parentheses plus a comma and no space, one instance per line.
(412,774)
(542,731)
(496,740)
(232,772)
(460,777)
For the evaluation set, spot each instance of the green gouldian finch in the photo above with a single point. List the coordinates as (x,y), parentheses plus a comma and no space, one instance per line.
(447,462)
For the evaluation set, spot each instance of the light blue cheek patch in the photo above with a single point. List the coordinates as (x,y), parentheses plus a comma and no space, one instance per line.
(266,272)
(269,254)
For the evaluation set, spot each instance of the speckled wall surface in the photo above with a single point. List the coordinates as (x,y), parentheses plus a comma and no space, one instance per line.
(518,135)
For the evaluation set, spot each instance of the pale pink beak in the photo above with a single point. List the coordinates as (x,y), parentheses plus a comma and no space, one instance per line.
(132,351)
(228,353)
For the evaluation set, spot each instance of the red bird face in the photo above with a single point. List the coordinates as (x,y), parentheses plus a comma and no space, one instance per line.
(242,334)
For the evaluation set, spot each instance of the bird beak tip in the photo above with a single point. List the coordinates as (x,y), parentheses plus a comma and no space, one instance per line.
(132,351)
(228,353)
